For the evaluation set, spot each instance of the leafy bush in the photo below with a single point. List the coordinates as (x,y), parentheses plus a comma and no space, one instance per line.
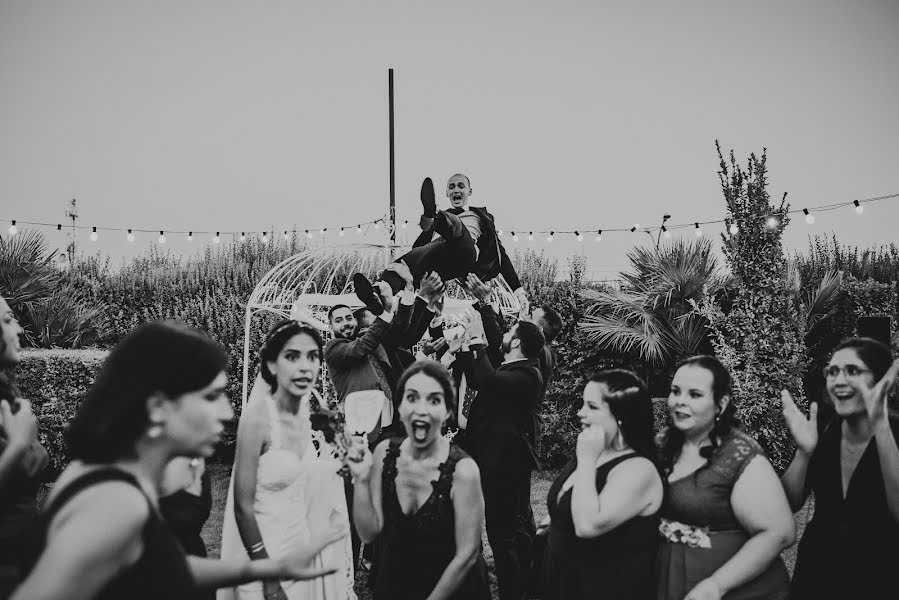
(56,382)
(761,338)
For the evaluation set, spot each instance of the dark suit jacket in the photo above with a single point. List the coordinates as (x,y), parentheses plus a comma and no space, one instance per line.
(500,423)
(492,257)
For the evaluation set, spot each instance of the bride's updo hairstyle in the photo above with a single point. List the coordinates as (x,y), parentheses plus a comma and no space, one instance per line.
(274,342)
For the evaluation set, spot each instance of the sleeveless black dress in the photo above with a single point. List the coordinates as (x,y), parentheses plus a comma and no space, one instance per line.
(161,571)
(850,548)
(416,549)
(186,513)
(617,564)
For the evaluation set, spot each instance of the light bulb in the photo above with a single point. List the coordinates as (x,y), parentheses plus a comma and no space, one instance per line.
(286,236)
(190,236)
(859,209)
(216,239)
(809,217)
(94,235)
(308,234)
(130,236)
(666,234)
(13,230)
(405,224)
(499,233)
(580,238)
(531,236)
(340,233)
(598,237)
(698,232)
(161,238)
(377,225)
(243,237)
(514,237)
(264,238)
(322,231)
(733,229)
(358,230)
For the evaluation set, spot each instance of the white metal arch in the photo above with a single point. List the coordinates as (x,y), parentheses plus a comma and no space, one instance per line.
(320,278)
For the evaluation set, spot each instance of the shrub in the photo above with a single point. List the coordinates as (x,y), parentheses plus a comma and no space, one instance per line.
(760,339)
(56,382)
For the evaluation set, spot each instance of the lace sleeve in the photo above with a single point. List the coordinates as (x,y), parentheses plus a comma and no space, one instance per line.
(736,451)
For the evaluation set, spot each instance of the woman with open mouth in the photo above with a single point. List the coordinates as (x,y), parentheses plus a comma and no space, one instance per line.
(850,549)
(725,518)
(160,394)
(285,489)
(421,497)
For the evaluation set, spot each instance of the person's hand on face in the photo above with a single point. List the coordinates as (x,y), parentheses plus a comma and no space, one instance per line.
(591,443)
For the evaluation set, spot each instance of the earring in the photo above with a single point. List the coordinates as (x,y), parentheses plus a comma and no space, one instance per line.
(618,443)
(154,431)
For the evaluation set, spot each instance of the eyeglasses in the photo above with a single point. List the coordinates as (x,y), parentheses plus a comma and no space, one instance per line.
(851,371)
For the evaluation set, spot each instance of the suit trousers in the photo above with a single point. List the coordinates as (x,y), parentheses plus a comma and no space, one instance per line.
(507,511)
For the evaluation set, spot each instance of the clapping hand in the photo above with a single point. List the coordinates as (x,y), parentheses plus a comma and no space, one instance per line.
(804,431)
(431,288)
(876,397)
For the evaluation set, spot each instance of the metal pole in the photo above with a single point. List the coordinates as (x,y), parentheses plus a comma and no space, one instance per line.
(392,223)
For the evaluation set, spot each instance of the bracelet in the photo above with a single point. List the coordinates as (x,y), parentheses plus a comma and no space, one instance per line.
(256,548)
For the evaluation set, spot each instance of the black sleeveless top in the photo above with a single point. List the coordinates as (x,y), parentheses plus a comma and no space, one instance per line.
(160,572)
(415,549)
(617,564)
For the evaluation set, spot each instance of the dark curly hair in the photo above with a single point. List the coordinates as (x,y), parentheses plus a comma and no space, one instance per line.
(672,439)
(274,343)
(876,355)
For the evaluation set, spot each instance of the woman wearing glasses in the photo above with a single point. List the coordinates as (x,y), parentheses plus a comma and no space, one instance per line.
(850,549)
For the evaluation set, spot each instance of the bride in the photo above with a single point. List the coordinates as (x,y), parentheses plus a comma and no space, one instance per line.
(283,480)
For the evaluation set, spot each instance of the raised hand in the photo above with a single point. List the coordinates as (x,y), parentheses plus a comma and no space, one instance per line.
(591,443)
(401,269)
(479,289)
(385,293)
(432,346)
(431,287)
(804,431)
(876,397)
(525,310)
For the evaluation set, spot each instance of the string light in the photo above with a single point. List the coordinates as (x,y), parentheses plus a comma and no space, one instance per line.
(809,217)
(378,224)
(322,230)
(549,238)
(733,229)
(94,235)
(13,230)
(514,237)
(859,209)
(598,237)
(286,236)
(340,233)
(217,238)
(665,233)
(358,229)
(308,235)
(161,239)
(772,222)
(635,227)
(130,236)
(190,236)
(698,230)
(580,238)
(58,227)
(243,236)
(264,238)
(405,224)
(531,236)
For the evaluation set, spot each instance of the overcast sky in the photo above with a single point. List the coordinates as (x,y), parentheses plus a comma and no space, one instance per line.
(227,115)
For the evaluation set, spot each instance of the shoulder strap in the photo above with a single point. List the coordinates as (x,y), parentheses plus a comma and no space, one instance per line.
(388,473)
(87,480)
(617,460)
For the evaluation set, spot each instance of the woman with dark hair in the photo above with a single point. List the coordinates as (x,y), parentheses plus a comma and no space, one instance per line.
(725,518)
(850,549)
(421,497)
(160,394)
(23,459)
(284,485)
(603,523)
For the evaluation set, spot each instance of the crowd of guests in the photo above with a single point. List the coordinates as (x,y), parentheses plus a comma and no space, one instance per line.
(694,511)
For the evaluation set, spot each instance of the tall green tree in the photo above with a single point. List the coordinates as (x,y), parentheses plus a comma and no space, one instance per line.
(760,338)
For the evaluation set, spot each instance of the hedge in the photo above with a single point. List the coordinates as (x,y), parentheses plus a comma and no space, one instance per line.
(56,382)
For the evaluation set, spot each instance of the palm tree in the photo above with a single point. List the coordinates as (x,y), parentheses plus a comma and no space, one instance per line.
(653,311)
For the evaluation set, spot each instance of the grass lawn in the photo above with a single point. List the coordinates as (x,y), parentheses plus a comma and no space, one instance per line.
(212,532)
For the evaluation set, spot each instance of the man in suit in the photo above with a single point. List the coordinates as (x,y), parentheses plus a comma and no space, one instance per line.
(453,242)
(499,438)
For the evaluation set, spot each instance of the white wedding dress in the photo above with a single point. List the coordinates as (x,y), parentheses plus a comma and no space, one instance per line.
(295,487)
